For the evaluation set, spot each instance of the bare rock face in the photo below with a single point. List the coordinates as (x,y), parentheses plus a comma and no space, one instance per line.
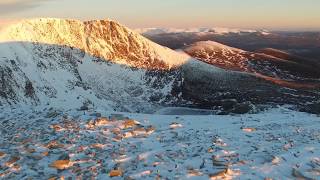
(29,90)
(6,84)
(313,108)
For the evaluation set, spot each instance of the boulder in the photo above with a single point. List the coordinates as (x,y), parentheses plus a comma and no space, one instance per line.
(243,108)
(313,108)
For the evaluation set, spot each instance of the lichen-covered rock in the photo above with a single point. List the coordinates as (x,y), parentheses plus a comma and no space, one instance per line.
(61,164)
(115,173)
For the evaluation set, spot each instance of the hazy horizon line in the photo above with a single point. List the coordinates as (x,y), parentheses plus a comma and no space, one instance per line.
(4,22)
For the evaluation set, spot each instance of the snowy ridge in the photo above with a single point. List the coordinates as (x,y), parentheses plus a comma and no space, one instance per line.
(68,63)
(216,30)
(104,39)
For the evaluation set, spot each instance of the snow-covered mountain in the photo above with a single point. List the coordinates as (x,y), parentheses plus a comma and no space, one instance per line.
(215,30)
(73,64)
(70,63)
(104,39)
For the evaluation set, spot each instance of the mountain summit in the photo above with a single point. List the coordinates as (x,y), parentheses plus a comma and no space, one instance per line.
(69,63)
(100,38)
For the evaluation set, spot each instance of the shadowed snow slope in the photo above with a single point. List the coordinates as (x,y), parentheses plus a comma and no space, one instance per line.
(44,74)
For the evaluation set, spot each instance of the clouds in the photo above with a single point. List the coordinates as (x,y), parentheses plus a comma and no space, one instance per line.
(13,6)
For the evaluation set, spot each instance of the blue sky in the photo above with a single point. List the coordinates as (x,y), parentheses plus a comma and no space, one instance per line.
(269,14)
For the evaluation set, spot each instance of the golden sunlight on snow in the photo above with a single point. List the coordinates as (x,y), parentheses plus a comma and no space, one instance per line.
(104,39)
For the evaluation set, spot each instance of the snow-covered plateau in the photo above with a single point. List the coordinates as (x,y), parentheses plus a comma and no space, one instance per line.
(48,143)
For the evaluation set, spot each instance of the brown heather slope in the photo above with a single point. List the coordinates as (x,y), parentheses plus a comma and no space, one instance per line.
(275,66)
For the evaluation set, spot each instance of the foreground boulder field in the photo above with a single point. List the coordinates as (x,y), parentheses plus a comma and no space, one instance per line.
(49,143)
(74,64)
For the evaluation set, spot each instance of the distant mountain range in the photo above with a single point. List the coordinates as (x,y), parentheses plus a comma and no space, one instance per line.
(74,64)
(305,44)
(159,31)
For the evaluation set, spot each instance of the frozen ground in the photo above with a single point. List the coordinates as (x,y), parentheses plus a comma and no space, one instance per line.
(43,144)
